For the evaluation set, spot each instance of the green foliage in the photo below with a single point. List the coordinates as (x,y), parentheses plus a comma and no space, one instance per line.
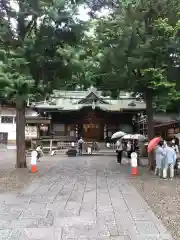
(15,79)
(30,57)
(138,52)
(44,30)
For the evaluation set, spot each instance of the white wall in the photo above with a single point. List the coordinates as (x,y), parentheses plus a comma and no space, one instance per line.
(10,128)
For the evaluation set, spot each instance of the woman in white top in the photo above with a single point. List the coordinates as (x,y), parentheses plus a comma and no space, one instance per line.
(39,152)
(160,155)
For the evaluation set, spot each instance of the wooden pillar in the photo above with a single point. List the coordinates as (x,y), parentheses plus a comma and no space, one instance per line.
(77,131)
(31,144)
(105,131)
(66,129)
(50,146)
(38,130)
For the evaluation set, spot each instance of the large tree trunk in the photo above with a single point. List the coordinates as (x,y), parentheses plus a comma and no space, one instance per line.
(150,126)
(20,133)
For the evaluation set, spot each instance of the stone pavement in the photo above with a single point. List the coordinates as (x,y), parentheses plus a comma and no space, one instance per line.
(78,199)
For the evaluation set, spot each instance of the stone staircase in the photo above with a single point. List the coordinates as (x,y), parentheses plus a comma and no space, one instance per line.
(103,150)
(103,146)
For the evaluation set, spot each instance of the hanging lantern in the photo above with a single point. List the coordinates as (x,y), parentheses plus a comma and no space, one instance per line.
(43,128)
(77,132)
(93,105)
(105,131)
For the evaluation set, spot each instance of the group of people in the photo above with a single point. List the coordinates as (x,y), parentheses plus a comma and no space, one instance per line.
(166,155)
(128,147)
(89,147)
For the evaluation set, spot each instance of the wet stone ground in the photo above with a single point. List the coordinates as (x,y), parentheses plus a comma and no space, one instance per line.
(79,198)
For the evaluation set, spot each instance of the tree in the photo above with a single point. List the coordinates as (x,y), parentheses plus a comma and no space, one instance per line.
(32,64)
(83,60)
(17,84)
(137,54)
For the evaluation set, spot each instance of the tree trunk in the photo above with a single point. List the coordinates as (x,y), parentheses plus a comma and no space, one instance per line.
(20,133)
(150,126)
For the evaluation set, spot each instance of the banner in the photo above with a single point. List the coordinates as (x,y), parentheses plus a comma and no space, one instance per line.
(30,132)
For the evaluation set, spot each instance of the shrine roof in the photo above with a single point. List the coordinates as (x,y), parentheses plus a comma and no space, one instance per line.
(76,100)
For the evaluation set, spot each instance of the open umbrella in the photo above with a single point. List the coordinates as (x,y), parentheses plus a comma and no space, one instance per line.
(153,143)
(127,136)
(139,137)
(118,135)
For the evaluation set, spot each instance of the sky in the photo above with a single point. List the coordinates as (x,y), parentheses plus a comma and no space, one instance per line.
(83,11)
(83,15)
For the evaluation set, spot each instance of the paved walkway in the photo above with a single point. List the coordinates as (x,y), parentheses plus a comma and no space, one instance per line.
(79,198)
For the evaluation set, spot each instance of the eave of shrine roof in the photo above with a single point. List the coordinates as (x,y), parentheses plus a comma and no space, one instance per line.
(90,97)
(83,94)
(114,105)
(76,100)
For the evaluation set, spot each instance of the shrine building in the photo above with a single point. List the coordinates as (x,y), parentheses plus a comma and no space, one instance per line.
(87,114)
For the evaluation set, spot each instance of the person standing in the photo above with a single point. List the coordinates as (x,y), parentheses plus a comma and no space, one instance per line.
(173,141)
(129,149)
(165,144)
(137,150)
(170,161)
(80,145)
(159,156)
(39,152)
(119,151)
(175,147)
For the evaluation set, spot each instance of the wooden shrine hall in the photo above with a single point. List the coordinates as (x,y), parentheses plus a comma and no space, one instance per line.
(88,114)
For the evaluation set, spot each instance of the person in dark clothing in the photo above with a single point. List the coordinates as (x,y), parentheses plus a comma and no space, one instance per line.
(119,156)
(129,149)
(119,151)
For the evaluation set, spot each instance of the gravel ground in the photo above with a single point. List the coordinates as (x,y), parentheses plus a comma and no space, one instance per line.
(163,196)
(12,179)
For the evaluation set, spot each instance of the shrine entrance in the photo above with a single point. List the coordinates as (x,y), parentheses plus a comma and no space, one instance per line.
(92,132)
(92,126)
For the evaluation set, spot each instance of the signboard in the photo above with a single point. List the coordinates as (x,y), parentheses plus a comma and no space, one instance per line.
(30,132)
(170,132)
(177,130)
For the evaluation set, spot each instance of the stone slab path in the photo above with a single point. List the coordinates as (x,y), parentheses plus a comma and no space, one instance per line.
(82,198)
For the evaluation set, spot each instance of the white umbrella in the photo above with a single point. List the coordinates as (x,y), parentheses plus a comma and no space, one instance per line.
(139,137)
(127,136)
(118,135)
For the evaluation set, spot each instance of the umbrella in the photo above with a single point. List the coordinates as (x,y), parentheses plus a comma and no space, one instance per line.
(118,135)
(153,143)
(127,136)
(139,137)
